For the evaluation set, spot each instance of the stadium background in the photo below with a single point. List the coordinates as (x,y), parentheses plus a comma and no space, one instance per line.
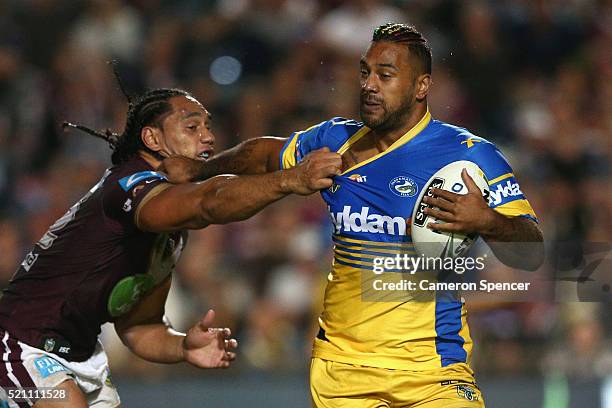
(532,76)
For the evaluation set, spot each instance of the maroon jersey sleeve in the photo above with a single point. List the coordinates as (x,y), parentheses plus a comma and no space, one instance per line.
(122,197)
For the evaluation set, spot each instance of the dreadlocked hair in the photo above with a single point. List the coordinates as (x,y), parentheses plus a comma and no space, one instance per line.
(147,109)
(408,35)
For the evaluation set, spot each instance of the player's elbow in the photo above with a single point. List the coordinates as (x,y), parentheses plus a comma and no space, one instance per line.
(127,334)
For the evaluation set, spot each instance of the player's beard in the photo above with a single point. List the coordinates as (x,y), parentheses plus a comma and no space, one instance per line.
(390,119)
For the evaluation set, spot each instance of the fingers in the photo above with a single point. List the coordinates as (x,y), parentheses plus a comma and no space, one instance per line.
(323,184)
(440,203)
(223,337)
(317,170)
(229,356)
(324,156)
(210,347)
(207,320)
(231,344)
(332,170)
(469,182)
(440,215)
(323,170)
(329,162)
(444,227)
(447,195)
(221,332)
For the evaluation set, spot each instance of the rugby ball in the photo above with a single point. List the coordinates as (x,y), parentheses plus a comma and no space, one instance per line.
(434,244)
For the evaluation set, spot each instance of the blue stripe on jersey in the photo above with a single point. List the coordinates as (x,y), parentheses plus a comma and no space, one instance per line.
(355,258)
(449,344)
(531,217)
(375,244)
(363,267)
(372,251)
(352,265)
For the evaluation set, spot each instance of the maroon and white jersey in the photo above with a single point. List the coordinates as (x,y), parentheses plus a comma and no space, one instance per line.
(92,266)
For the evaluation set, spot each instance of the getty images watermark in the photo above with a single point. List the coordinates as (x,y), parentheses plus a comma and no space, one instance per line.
(571,272)
(411,264)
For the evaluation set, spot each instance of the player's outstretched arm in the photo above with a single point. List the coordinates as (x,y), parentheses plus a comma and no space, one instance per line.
(229,198)
(143,331)
(254,156)
(515,241)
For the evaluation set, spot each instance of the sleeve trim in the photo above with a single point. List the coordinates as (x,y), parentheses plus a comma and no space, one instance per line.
(500,178)
(151,194)
(287,159)
(516,208)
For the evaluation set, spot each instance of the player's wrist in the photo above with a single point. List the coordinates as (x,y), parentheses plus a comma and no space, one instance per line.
(492,224)
(287,181)
(181,350)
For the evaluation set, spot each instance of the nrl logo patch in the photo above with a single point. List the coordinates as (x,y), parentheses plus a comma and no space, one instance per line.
(467,392)
(49,345)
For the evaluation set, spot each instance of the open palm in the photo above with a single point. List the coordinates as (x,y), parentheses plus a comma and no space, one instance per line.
(209,347)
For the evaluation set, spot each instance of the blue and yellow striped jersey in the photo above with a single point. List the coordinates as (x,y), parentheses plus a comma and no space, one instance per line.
(369,205)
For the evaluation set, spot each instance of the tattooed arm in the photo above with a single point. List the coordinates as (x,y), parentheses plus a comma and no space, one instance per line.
(254,156)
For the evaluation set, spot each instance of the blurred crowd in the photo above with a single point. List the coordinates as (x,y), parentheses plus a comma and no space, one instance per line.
(533,76)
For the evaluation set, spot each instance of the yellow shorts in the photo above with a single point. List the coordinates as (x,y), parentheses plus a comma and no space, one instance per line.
(339,385)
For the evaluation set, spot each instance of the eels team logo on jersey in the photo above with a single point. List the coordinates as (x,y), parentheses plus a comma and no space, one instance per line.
(403,186)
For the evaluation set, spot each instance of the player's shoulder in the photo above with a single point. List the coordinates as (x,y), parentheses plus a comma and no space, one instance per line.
(345,123)
(132,173)
(468,143)
(127,185)
(331,133)
(337,126)
(458,134)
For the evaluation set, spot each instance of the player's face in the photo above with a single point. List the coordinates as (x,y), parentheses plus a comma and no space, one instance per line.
(186,131)
(388,86)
